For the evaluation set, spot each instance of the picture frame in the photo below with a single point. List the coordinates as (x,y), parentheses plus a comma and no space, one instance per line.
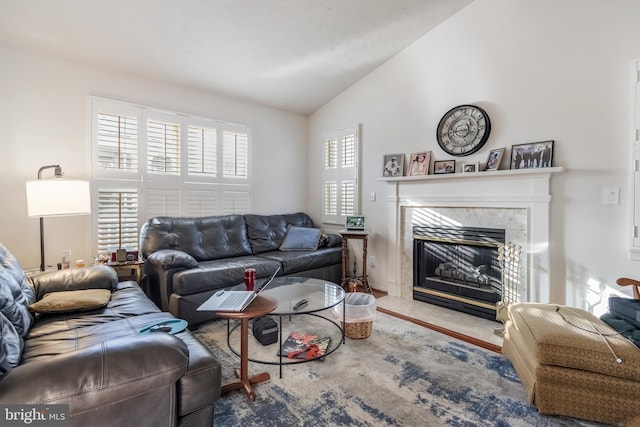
(470,167)
(419,163)
(532,155)
(393,165)
(444,166)
(494,159)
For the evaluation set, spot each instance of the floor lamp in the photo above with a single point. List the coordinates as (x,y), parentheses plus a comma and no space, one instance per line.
(56,196)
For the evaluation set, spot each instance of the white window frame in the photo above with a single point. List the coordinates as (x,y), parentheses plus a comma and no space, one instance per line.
(340,175)
(634,235)
(177,193)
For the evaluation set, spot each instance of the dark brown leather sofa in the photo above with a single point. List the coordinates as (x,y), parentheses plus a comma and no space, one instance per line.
(188,259)
(98,362)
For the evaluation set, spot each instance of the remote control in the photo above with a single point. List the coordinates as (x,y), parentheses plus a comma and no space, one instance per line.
(301,304)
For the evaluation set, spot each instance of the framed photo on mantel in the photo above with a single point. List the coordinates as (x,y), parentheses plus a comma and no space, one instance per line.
(532,156)
(393,165)
(419,163)
(494,159)
(444,166)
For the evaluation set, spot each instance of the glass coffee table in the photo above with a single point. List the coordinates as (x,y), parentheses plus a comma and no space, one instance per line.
(320,315)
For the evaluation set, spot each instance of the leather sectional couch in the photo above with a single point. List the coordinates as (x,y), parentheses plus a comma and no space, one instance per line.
(98,360)
(188,259)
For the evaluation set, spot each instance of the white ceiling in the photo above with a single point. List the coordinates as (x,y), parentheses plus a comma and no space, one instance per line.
(291,54)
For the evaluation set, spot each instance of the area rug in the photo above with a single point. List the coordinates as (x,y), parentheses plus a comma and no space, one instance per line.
(401,375)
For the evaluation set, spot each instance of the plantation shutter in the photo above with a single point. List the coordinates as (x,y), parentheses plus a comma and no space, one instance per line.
(117,219)
(163,147)
(235,202)
(202,151)
(348,174)
(202,202)
(161,202)
(340,175)
(117,145)
(163,163)
(235,155)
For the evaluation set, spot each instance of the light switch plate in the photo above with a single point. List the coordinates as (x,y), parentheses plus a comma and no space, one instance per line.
(610,196)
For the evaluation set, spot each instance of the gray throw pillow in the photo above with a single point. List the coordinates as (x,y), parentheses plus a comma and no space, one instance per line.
(300,238)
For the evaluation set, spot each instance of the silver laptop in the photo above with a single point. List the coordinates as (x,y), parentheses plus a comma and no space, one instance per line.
(233,300)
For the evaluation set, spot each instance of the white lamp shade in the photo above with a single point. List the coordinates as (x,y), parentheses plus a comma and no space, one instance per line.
(58,197)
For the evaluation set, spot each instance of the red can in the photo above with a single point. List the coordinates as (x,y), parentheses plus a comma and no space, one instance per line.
(250,278)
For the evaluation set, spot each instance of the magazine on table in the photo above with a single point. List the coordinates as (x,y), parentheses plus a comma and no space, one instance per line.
(304,346)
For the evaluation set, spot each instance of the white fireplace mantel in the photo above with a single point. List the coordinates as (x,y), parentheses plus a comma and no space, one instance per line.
(505,191)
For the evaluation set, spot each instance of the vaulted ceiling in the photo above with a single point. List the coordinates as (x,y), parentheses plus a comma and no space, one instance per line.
(291,54)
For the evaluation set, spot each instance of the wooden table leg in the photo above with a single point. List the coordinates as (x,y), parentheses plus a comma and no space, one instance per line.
(345,260)
(243,373)
(365,280)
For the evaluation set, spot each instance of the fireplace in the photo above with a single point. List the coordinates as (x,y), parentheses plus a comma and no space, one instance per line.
(458,268)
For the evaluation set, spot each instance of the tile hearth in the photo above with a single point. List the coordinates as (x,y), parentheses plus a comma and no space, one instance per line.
(456,321)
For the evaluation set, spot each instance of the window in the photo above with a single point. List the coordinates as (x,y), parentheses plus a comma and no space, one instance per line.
(340,178)
(148,162)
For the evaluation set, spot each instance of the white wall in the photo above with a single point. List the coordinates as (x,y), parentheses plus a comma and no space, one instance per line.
(45,119)
(542,69)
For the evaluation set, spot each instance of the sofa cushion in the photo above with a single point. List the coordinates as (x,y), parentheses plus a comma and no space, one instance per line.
(570,337)
(220,273)
(266,232)
(68,301)
(203,238)
(297,261)
(127,301)
(300,238)
(72,279)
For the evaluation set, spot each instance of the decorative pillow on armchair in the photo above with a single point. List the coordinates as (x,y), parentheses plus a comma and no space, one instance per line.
(300,238)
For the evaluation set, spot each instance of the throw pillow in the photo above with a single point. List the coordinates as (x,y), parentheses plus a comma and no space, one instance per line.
(16,292)
(67,301)
(324,241)
(300,238)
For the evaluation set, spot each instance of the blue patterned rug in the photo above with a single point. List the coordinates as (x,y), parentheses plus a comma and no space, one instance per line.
(401,375)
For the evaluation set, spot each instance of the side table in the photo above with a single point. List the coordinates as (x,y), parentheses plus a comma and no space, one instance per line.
(128,270)
(260,306)
(358,235)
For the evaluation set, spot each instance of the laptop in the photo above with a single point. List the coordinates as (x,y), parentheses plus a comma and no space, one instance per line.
(354,222)
(224,300)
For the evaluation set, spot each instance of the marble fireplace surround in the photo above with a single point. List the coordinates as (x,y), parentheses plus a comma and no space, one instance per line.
(517,201)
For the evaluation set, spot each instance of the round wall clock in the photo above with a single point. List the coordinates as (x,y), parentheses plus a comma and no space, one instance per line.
(463,130)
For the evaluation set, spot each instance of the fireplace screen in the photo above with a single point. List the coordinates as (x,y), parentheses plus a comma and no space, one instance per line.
(458,268)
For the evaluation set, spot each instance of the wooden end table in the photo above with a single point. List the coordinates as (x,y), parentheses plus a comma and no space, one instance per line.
(128,270)
(260,306)
(358,235)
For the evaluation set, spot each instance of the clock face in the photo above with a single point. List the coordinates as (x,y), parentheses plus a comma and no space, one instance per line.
(463,130)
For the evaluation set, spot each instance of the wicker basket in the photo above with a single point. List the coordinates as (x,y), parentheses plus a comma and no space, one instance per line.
(357,330)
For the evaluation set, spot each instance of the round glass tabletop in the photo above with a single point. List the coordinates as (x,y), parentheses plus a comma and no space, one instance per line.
(300,295)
